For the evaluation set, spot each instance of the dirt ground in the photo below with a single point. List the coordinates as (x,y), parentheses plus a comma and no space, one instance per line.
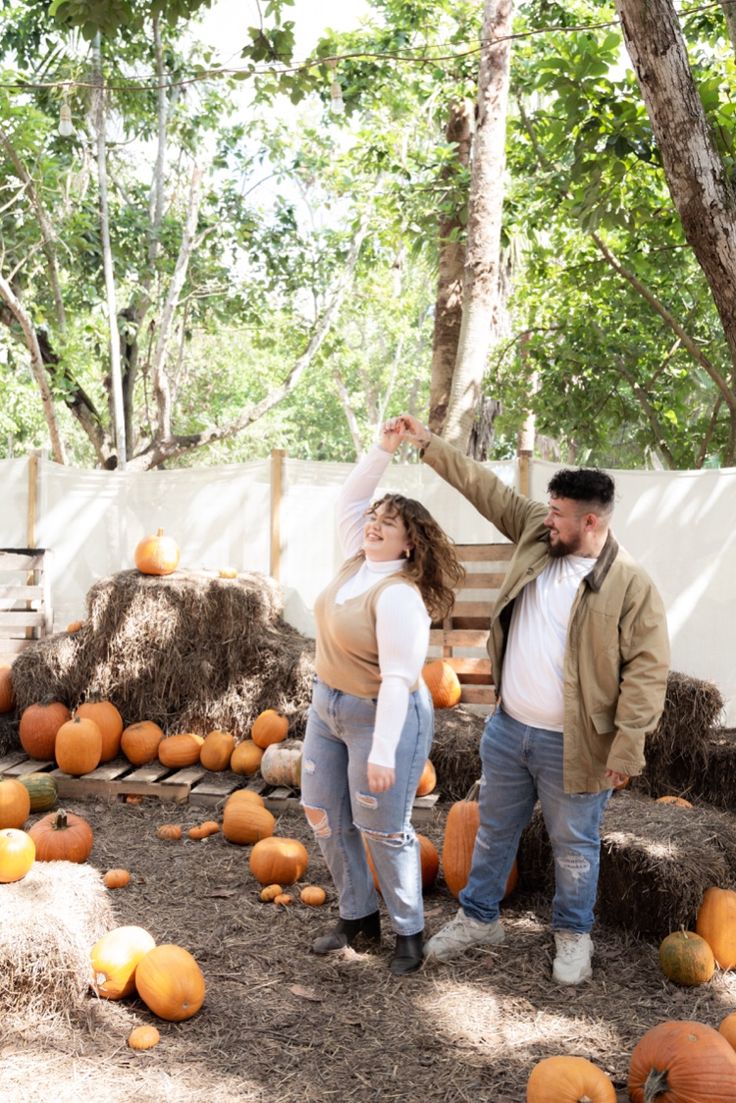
(281,1024)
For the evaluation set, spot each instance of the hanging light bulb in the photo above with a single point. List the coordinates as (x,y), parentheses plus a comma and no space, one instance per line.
(337,104)
(65,121)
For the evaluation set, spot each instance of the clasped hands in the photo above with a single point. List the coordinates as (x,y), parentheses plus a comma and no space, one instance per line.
(403,427)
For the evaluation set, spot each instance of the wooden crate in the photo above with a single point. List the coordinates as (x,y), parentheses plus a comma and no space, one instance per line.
(461,639)
(25,598)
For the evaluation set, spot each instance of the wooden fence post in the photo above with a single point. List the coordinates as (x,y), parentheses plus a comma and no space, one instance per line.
(32,500)
(278,455)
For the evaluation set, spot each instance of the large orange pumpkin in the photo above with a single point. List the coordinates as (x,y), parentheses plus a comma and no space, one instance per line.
(15,803)
(62,837)
(115,958)
(170,983)
(38,727)
(442,683)
(246,758)
(7,695)
(716,923)
(269,727)
(569,1080)
(278,861)
(157,554)
(686,958)
(246,794)
(682,1061)
(108,720)
(428,857)
(178,751)
(78,746)
(245,822)
(139,742)
(217,750)
(17,854)
(461,828)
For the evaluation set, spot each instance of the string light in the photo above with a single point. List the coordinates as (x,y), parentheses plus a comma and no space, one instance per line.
(65,121)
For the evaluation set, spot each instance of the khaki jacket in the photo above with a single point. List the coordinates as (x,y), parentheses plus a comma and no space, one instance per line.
(617,654)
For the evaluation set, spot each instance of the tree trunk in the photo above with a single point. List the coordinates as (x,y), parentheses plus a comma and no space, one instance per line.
(696,176)
(449,303)
(729,11)
(485,208)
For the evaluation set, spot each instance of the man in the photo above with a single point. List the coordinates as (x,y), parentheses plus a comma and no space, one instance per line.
(580,655)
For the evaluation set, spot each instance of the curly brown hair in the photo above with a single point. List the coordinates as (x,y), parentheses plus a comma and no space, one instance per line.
(432,563)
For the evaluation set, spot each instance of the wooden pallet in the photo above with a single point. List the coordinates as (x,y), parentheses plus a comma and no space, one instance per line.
(119,779)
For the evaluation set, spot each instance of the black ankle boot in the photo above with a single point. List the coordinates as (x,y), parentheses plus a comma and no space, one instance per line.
(346,931)
(407,955)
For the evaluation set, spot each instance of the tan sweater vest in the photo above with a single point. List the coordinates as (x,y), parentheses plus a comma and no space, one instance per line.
(347,650)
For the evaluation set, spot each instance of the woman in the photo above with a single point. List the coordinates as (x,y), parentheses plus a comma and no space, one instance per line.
(370,724)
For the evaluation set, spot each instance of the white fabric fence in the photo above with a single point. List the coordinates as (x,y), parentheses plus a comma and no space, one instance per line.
(680,525)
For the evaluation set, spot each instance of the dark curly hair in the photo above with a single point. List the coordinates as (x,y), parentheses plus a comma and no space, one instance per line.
(432,563)
(587,485)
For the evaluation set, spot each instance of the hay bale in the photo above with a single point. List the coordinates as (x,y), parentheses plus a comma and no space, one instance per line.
(716,784)
(455,752)
(9,739)
(50,921)
(188,651)
(657,860)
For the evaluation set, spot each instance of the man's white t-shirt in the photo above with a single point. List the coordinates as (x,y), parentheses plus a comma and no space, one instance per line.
(533,665)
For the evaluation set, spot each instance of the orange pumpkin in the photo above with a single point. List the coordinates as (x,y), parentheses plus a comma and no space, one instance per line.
(246,758)
(686,958)
(143,1037)
(78,746)
(280,861)
(569,1080)
(313,896)
(716,923)
(727,1027)
(680,802)
(170,983)
(283,900)
(62,837)
(442,683)
(169,831)
(204,830)
(115,958)
(38,727)
(217,750)
(139,742)
(247,795)
(682,1060)
(428,857)
(15,803)
(116,878)
(74,626)
(178,751)
(461,828)
(245,822)
(269,893)
(157,554)
(7,695)
(17,854)
(269,727)
(109,721)
(427,780)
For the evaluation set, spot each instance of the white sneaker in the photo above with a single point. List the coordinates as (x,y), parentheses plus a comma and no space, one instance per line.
(460,934)
(573,957)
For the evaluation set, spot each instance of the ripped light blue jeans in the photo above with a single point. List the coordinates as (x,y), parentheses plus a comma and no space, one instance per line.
(335,782)
(521,764)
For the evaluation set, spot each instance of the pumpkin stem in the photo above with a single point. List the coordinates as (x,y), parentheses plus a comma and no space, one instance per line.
(656,1084)
(60,823)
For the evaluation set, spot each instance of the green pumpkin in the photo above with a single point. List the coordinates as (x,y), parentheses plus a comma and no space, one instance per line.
(42,791)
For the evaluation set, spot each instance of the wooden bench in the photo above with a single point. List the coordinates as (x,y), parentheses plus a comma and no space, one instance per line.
(25,598)
(462,637)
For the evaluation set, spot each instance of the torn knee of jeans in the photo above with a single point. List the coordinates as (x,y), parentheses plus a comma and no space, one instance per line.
(577,865)
(366,799)
(308,766)
(385,840)
(318,821)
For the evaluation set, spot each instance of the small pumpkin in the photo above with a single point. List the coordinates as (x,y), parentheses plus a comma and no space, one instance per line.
(74,626)
(157,555)
(179,751)
(116,878)
(217,750)
(727,1027)
(42,790)
(313,896)
(686,958)
(246,795)
(566,1079)
(227,572)
(269,893)
(109,721)
(461,828)
(682,1060)
(62,837)
(7,694)
(679,802)
(270,726)
(443,684)
(283,900)
(246,758)
(139,742)
(38,727)
(716,923)
(428,779)
(170,983)
(203,830)
(115,958)
(244,822)
(276,860)
(78,746)
(143,1037)
(15,803)
(17,854)
(282,764)
(168,831)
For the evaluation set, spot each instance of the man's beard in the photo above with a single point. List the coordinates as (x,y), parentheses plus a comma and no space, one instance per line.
(560,548)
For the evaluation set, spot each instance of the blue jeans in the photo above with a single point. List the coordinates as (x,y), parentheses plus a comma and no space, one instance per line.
(521,764)
(335,783)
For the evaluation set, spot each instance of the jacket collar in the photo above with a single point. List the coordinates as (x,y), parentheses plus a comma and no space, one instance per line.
(603,563)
